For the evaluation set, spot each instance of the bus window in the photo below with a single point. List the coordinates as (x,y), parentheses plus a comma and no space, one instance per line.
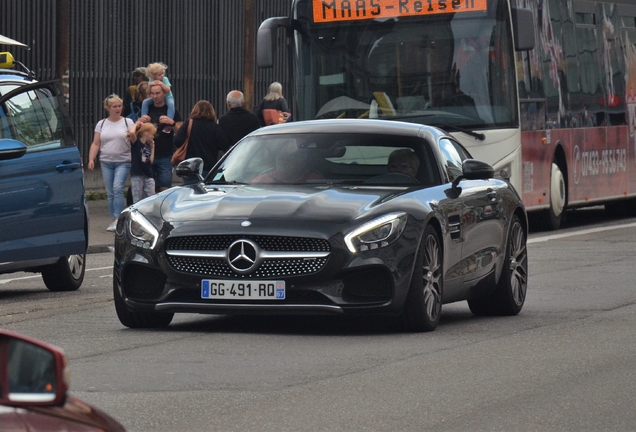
(447,68)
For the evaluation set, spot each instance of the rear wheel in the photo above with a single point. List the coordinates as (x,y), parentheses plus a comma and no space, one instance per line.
(67,274)
(423,306)
(510,293)
(138,319)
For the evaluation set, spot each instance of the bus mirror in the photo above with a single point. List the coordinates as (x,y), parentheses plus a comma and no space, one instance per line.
(523,26)
(6,60)
(266,40)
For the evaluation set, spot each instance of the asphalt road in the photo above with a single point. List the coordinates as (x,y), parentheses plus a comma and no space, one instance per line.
(567,362)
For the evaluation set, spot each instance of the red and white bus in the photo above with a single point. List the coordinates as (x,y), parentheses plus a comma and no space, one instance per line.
(544,90)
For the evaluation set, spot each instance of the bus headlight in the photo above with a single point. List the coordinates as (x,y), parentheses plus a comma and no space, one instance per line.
(504,173)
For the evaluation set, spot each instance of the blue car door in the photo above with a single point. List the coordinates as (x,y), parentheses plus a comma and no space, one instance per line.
(42,202)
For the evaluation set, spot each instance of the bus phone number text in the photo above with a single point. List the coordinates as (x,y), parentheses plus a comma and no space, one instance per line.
(349,10)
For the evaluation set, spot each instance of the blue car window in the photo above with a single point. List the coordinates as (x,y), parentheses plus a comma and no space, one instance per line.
(32,117)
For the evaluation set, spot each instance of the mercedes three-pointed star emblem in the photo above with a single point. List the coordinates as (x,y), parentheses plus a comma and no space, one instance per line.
(243,256)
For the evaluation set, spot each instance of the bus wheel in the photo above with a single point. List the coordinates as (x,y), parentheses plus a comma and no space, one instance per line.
(551,218)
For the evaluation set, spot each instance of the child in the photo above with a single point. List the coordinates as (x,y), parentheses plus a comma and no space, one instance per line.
(157,71)
(142,155)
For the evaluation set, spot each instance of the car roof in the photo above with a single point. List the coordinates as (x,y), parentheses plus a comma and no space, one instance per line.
(362,126)
(14,75)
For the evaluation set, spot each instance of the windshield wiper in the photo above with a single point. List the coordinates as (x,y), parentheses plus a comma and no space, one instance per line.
(476,135)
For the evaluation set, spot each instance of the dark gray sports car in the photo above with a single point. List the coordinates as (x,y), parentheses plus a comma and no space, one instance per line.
(327,217)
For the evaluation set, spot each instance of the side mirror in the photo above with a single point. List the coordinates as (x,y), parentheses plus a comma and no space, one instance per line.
(31,372)
(11,149)
(192,167)
(523,26)
(266,40)
(473,169)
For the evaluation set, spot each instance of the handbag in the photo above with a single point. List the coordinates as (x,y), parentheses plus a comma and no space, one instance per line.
(179,155)
(273,116)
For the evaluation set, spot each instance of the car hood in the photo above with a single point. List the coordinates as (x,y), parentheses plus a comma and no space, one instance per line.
(272,202)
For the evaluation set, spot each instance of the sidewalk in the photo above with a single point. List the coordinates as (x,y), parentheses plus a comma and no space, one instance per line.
(99,240)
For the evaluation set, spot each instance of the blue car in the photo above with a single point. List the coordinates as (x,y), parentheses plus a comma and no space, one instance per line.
(43,213)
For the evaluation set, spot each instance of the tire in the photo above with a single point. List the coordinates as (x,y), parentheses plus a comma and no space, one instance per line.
(67,274)
(551,219)
(423,306)
(138,319)
(510,293)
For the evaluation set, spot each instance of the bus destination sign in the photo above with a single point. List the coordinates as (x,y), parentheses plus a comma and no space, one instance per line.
(348,10)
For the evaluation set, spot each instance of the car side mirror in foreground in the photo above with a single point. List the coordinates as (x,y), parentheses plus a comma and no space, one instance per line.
(32,373)
(473,169)
(192,167)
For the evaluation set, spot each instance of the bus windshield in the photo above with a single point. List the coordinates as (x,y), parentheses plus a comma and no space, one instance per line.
(446,69)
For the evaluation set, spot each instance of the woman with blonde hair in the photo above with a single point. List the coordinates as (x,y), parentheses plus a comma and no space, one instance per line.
(113,147)
(273,108)
(206,136)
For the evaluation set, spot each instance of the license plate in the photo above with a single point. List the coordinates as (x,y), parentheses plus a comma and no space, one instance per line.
(234,290)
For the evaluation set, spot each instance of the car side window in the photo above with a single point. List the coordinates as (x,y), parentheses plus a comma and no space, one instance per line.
(454,155)
(33,118)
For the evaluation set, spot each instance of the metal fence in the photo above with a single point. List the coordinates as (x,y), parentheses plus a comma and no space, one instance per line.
(201,41)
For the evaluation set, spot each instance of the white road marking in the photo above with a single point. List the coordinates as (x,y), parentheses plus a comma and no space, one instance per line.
(5,281)
(582,232)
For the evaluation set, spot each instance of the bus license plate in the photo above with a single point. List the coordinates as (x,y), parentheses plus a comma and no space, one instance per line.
(235,290)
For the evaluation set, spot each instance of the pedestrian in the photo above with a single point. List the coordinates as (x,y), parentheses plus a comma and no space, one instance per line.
(142,155)
(238,121)
(273,108)
(139,76)
(135,105)
(207,138)
(157,115)
(110,142)
(157,72)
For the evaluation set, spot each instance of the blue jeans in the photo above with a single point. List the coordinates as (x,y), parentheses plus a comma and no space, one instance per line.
(162,170)
(115,175)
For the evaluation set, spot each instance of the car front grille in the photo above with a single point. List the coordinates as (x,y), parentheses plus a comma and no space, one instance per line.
(213,262)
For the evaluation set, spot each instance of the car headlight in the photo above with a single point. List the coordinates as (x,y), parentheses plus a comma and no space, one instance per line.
(143,234)
(377,233)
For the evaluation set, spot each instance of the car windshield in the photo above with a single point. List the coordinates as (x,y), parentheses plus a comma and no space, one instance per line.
(327,159)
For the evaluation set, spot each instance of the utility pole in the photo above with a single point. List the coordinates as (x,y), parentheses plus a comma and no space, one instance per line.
(63,38)
(249,48)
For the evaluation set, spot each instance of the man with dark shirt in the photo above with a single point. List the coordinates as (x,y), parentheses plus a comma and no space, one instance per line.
(164,147)
(238,121)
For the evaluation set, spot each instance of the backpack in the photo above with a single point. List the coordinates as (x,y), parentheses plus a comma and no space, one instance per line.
(135,112)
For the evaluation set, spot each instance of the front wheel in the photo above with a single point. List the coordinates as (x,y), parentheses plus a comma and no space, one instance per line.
(138,319)
(67,274)
(551,219)
(510,293)
(423,306)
